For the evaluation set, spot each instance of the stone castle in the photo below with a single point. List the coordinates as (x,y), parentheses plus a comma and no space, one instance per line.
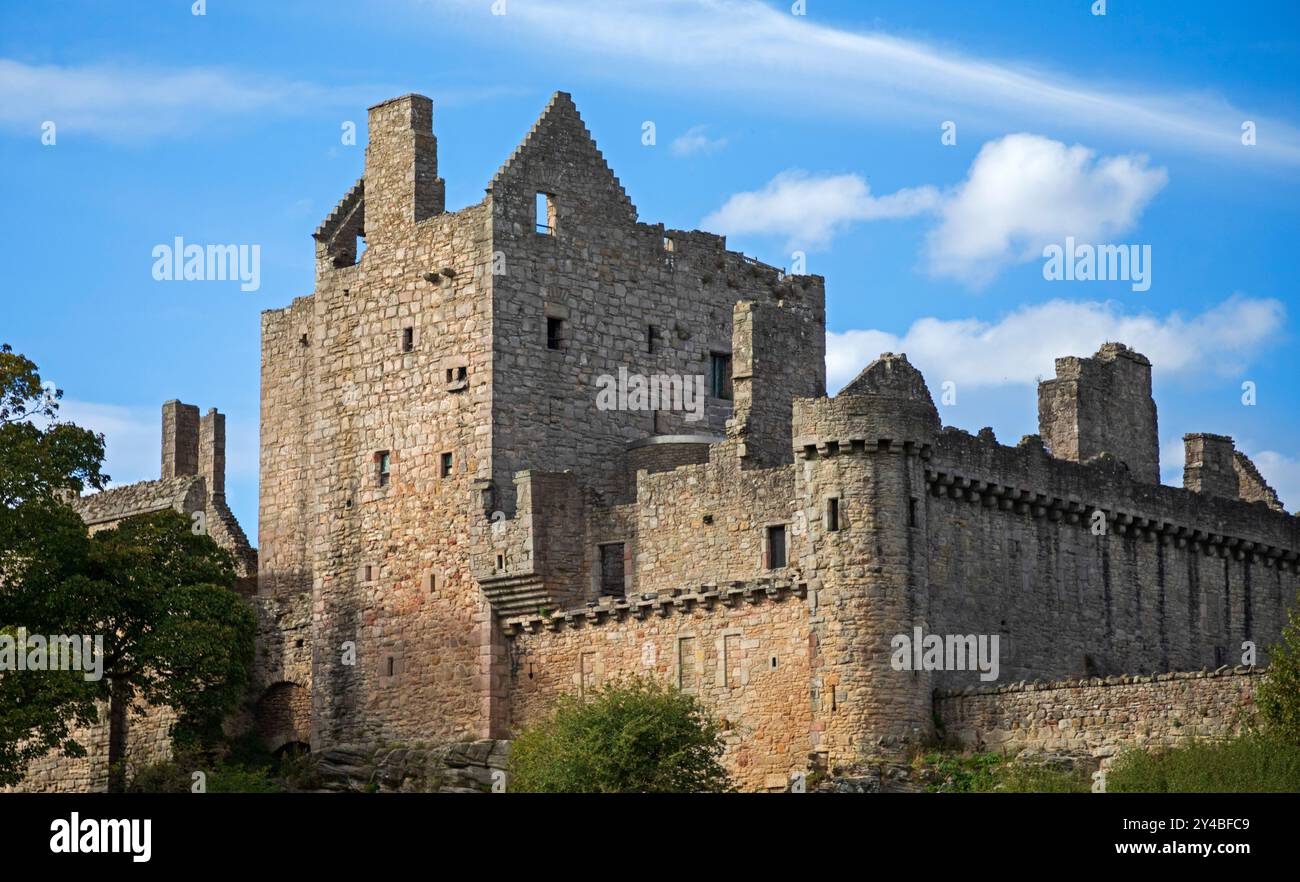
(453,533)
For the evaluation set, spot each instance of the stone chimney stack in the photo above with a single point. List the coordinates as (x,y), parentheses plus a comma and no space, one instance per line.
(180,439)
(1209,466)
(401,179)
(1102,404)
(212,452)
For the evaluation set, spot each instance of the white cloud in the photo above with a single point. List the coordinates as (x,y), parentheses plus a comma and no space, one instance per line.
(1022,347)
(1025,191)
(755,51)
(1020,193)
(808,210)
(694,141)
(125,103)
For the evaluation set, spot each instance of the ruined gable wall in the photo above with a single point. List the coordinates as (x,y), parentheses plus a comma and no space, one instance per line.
(609,279)
(1178,581)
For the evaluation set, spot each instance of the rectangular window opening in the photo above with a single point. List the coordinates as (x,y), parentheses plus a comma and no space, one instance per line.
(652,339)
(408,339)
(612,580)
(444,467)
(383,467)
(554,333)
(832,514)
(720,375)
(545,214)
(776,547)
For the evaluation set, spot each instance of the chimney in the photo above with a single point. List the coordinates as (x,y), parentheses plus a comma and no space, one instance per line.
(401,179)
(1210,465)
(180,439)
(212,452)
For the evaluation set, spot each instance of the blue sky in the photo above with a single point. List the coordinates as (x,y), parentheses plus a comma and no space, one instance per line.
(817,133)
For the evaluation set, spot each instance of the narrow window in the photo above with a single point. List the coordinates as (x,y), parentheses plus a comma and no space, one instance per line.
(720,375)
(611,570)
(545,214)
(911,512)
(587,672)
(383,470)
(433,583)
(776,547)
(408,339)
(554,332)
(445,467)
(832,514)
(392,665)
(651,339)
(368,573)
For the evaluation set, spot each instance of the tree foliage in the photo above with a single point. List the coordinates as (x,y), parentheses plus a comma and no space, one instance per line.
(174,632)
(1278,695)
(43,547)
(637,736)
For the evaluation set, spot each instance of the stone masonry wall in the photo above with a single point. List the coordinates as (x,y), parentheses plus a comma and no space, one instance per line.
(1099,717)
(389,357)
(148,741)
(626,295)
(743,650)
(1177,580)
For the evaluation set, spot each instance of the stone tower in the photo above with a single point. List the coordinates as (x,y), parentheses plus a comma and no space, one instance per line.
(864,456)
(1102,404)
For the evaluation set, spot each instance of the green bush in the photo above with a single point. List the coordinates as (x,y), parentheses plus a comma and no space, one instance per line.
(1278,695)
(638,736)
(239,766)
(994,773)
(1254,763)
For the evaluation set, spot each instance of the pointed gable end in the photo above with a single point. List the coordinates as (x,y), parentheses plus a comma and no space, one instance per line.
(559,157)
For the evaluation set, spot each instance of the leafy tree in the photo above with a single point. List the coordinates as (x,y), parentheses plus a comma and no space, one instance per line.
(43,544)
(174,632)
(1278,695)
(638,736)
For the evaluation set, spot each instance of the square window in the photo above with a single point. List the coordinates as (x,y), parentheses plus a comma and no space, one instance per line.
(720,375)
